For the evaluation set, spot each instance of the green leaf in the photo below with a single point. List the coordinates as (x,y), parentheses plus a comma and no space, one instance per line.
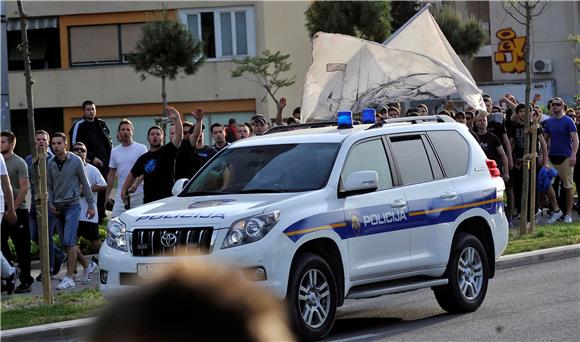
(265,70)
(365,19)
(465,36)
(166,48)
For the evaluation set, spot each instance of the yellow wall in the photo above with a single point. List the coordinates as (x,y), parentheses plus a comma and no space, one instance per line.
(99,19)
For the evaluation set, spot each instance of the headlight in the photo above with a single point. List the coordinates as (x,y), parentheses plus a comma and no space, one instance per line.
(250,229)
(116,234)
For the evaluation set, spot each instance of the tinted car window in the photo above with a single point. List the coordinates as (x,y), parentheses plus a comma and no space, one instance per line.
(369,156)
(412,159)
(266,168)
(453,151)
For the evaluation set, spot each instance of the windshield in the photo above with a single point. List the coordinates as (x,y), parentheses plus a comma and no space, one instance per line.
(266,169)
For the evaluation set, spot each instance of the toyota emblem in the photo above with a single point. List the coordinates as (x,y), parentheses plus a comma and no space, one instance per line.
(168,240)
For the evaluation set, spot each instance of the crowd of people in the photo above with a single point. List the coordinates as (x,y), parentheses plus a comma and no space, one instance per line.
(83,168)
(500,131)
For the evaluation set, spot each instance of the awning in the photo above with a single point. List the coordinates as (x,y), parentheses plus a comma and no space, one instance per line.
(37,23)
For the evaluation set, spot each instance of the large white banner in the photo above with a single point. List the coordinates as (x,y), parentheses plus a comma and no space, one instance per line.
(349,73)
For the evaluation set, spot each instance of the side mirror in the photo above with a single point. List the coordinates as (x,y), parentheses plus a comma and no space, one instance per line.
(360,182)
(178,186)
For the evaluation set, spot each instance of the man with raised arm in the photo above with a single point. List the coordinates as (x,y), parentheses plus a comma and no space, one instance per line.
(157,165)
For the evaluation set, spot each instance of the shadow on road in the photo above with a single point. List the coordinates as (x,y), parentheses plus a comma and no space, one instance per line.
(371,328)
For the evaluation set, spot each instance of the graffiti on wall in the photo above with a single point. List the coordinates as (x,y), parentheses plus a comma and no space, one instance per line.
(510,51)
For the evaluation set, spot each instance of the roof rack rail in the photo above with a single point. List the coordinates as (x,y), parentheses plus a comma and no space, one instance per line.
(287,128)
(414,120)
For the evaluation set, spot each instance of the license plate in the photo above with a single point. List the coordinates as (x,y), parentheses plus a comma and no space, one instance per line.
(150,270)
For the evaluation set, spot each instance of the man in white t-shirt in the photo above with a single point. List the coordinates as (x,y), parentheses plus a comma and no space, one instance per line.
(89,227)
(8,271)
(123,157)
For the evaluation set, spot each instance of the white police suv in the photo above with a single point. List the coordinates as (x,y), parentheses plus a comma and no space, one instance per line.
(318,215)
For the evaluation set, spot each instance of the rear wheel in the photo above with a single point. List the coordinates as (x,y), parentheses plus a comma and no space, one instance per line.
(468,274)
(312,297)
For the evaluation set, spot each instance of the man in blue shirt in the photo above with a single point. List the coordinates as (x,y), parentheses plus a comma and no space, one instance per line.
(562,138)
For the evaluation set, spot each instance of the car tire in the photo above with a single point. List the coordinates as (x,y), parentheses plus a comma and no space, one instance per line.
(312,297)
(468,274)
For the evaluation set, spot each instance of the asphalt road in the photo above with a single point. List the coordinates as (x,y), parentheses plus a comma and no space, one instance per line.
(540,302)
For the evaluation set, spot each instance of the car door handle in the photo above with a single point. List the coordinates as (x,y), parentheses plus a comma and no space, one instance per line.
(449,195)
(400,203)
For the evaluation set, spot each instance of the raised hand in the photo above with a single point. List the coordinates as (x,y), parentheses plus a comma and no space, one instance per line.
(282,103)
(172,113)
(198,114)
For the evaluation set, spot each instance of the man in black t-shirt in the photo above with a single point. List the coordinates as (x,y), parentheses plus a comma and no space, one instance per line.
(157,164)
(202,152)
(491,145)
(496,125)
(516,134)
(193,153)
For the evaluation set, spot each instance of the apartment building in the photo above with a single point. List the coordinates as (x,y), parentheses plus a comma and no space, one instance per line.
(78,52)
(79,48)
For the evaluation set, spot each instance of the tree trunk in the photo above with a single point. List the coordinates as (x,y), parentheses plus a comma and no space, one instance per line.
(525,167)
(163,95)
(41,206)
(533,175)
(164,100)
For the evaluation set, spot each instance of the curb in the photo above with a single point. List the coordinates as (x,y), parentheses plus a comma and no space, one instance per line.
(534,257)
(58,331)
(76,329)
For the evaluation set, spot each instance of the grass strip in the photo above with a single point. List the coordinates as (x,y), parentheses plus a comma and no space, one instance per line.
(543,237)
(23,311)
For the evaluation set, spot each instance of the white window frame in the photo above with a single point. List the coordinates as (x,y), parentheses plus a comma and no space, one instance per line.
(250,29)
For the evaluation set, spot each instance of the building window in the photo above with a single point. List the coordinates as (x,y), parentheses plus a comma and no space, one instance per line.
(225,32)
(44,47)
(102,44)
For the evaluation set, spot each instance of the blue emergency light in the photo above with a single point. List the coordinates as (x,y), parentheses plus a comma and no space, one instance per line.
(369,116)
(344,119)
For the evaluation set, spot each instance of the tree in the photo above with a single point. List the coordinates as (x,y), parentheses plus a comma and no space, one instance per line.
(369,20)
(465,36)
(575,39)
(265,70)
(38,162)
(166,49)
(524,12)
(401,11)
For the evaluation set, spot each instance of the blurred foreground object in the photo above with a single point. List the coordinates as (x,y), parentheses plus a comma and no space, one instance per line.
(194,301)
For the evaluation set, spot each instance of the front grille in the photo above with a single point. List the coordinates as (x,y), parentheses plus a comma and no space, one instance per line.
(159,241)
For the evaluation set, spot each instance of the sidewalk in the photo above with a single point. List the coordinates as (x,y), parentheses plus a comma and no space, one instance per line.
(37,285)
(544,217)
(73,330)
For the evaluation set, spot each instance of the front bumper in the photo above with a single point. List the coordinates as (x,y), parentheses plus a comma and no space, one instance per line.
(119,269)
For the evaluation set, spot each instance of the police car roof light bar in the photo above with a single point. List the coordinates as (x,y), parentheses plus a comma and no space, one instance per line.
(414,120)
(287,128)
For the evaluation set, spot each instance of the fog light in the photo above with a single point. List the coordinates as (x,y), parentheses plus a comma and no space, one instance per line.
(104,276)
(255,273)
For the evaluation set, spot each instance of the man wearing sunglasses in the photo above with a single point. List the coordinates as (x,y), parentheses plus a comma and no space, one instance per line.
(562,139)
(89,227)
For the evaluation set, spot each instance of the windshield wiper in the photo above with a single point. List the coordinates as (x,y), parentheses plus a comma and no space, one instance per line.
(257,191)
(203,193)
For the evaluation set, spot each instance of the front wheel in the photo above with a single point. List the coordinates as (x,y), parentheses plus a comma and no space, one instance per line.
(312,297)
(468,274)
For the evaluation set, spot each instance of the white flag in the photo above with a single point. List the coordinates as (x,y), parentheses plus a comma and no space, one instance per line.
(349,73)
